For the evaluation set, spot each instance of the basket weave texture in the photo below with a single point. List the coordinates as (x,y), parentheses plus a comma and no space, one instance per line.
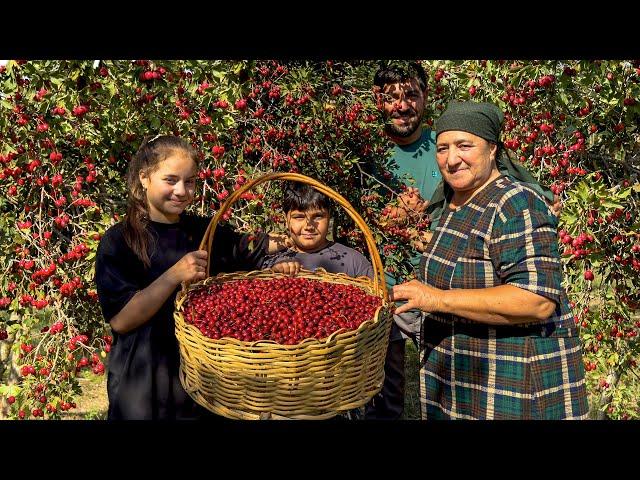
(315,379)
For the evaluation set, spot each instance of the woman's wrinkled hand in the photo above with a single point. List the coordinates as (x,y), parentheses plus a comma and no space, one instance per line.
(418,295)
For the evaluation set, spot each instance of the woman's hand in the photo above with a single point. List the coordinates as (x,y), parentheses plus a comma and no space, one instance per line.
(501,305)
(190,268)
(418,295)
(288,268)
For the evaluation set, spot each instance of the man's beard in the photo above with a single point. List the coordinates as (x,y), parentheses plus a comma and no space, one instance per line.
(402,131)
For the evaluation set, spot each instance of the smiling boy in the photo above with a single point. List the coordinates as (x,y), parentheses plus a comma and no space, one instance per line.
(308,213)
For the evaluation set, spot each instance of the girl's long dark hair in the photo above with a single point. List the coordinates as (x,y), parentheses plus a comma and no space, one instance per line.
(149,155)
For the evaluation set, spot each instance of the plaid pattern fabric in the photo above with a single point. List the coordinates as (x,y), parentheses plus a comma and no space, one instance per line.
(504,235)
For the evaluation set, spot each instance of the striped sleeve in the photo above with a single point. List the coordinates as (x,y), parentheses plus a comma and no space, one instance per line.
(524,248)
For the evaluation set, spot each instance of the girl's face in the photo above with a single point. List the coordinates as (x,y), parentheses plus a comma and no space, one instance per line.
(170,187)
(308,229)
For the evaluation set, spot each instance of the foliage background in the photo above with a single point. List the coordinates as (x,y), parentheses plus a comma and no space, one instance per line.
(69,128)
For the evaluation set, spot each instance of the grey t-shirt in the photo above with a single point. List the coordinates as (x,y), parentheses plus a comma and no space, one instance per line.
(334,258)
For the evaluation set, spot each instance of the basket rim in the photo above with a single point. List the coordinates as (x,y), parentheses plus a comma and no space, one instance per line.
(378,270)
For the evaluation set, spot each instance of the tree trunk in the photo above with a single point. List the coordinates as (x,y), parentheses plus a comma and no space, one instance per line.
(6,364)
(605,397)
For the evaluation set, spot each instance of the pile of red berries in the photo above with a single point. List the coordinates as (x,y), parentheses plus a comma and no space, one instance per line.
(285,310)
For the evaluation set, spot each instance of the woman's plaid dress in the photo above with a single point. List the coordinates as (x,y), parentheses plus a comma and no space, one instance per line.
(469,370)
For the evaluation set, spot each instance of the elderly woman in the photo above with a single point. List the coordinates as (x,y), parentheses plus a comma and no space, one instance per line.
(498,340)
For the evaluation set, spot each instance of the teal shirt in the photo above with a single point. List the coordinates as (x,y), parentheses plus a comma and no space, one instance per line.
(416,167)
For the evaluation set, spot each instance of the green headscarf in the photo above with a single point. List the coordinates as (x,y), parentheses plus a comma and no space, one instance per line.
(485,121)
(481,119)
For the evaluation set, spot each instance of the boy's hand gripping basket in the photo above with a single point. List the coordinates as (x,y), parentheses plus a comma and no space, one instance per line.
(315,379)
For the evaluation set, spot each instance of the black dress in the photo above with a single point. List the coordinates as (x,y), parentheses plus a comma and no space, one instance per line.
(143,380)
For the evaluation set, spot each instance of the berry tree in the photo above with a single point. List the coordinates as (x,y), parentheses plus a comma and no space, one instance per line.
(68,129)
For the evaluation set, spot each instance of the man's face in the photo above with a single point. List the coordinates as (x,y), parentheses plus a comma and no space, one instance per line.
(403,107)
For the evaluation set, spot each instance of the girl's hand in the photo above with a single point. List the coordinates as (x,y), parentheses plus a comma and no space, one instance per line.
(278,242)
(192,267)
(288,268)
(418,295)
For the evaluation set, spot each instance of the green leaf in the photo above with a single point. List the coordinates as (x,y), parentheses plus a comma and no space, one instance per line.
(111,88)
(563,98)
(9,86)
(228,121)
(612,205)
(10,390)
(624,193)
(582,192)
(569,218)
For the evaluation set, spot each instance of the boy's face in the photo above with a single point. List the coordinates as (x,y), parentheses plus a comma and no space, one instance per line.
(308,229)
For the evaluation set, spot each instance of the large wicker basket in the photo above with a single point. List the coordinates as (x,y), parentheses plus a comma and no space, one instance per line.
(315,379)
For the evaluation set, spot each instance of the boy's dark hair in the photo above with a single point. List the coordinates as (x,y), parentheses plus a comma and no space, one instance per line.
(302,197)
(399,72)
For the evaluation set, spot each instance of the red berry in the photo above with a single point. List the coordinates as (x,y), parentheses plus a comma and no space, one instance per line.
(283,310)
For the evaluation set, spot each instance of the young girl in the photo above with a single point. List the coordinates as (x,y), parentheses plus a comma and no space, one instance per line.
(140,265)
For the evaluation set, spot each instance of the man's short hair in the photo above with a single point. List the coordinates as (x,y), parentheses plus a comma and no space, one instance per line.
(303,197)
(399,72)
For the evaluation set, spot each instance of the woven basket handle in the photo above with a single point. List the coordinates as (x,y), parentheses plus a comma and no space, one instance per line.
(378,274)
